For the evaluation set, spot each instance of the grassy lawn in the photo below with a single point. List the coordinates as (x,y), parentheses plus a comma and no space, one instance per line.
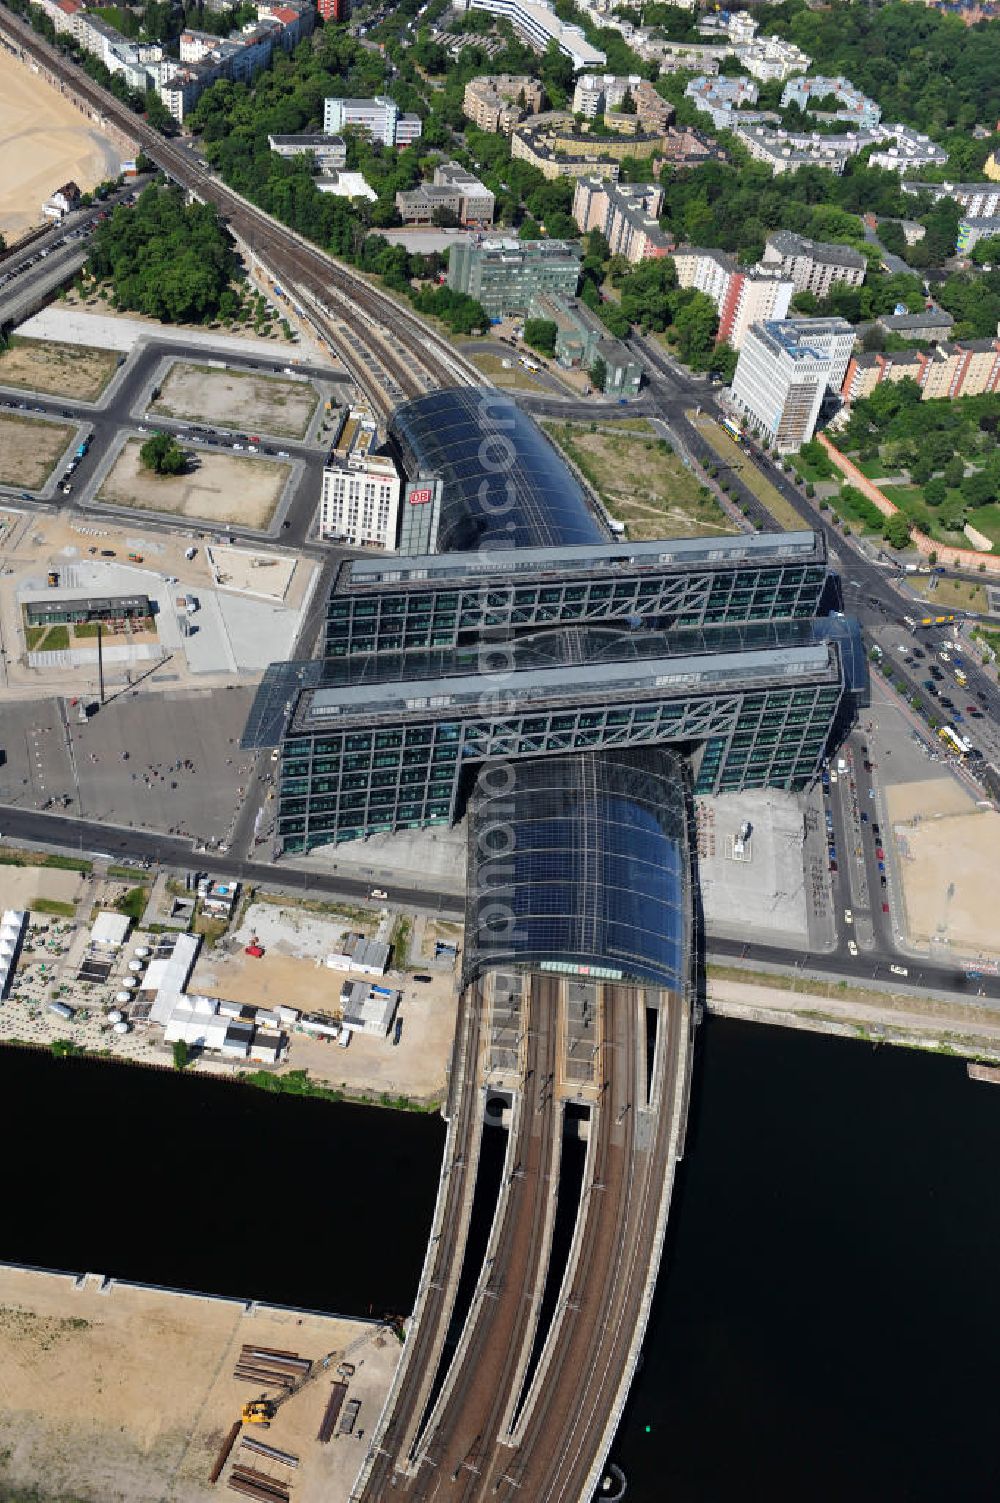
(951,594)
(852,516)
(642,483)
(990,638)
(874,469)
(784,514)
(53,907)
(986,519)
(47,638)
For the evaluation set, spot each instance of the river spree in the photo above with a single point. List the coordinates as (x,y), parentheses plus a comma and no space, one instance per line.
(200,1184)
(823,1325)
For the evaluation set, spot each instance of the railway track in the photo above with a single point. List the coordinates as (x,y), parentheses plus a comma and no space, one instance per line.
(371,332)
(492,1361)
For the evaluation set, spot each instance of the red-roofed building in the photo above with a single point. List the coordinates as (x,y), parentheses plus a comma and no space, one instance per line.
(333,10)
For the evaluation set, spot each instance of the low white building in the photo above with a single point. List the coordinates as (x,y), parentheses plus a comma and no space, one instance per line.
(368,1009)
(109,930)
(367,957)
(12,927)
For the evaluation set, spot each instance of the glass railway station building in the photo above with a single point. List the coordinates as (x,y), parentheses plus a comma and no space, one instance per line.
(532,636)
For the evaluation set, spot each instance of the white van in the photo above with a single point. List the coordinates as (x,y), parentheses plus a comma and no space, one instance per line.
(344,1037)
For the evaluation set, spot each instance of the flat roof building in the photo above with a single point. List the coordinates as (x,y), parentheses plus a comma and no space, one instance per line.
(783,374)
(453,192)
(380,119)
(328,152)
(439,664)
(813,265)
(626,214)
(78,612)
(359,504)
(536,22)
(505,274)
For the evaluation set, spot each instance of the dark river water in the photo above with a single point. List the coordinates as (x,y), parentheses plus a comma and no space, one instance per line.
(823,1329)
(202,1184)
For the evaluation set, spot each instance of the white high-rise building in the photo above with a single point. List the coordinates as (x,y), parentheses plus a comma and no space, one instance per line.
(361,490)
(783,373)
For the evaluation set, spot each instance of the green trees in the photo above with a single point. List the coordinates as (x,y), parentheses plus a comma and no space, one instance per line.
(896,530)
(163,455)
(541,333)
(165,258)
(598,374)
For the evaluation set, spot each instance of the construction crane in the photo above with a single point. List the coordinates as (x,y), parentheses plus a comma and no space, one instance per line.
(263,1410)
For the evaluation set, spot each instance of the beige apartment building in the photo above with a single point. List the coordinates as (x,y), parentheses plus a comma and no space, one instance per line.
(497,103)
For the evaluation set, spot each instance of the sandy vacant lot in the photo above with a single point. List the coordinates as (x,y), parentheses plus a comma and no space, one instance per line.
(125,1395)
(69,370)
(44,142)
(221,488)
(22,886)
(228,399)
(947,859)
(29,449)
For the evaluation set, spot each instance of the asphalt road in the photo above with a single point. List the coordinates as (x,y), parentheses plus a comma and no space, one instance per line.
(124,412)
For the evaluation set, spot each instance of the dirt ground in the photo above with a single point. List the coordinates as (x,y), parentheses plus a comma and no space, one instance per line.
(414,1068)
(29,449)
(229,399)
(947,858)
(648,489)
(69,370)
(222,489)
(44,141)
(22,886)
(122,1394)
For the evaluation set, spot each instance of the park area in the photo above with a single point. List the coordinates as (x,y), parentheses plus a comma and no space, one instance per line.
(642,482)
(223,489)
(61,370)
(29,449)
(237,400)
(937,461)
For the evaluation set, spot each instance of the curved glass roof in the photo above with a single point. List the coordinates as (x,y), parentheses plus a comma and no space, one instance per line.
(581,862)
(503,484)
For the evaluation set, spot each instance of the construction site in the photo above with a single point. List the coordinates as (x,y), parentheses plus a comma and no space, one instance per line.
(120,1391)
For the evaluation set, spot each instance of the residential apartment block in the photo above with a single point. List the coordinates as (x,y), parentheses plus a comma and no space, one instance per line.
(625,213)
(976,200)
(964,368)
(971,231)
(853,104)
(603,93)
(772,60)
(380,119)
(203,59)
(783,373)
(499,102)
(505,275)
(903,149)
(536,23)
(721,97)
(454,191)
(554,145)
(743,296)
(813,265)
(360,499)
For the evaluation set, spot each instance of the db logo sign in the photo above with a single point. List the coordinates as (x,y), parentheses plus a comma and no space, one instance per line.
(420,497)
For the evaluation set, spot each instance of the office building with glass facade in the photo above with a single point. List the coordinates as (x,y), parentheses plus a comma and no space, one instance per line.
(541,638)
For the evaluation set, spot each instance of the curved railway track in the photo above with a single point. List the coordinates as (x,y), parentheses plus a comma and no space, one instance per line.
(366,326)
